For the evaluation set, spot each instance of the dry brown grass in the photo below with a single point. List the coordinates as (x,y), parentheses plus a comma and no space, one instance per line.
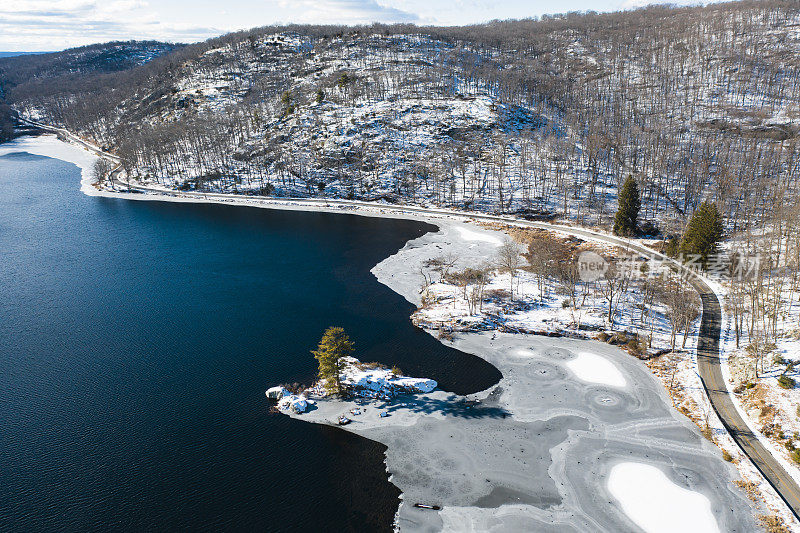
(773,523)
(749,488)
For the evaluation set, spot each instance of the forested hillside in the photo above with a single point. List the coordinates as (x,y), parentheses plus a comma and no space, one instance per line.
(69,76)
(540,117)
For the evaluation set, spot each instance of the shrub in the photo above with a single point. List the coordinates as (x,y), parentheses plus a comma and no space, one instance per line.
(648,228)
(773,524)
(786,382)
(795,455)
(635,347)
(618,339)
(444,334)
(727,456)
(603,337)
(498,294)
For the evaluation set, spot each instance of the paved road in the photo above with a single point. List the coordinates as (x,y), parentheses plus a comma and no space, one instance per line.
(708,364)
(708,360)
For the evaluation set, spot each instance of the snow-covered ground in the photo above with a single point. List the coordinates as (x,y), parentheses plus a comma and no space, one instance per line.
(679,374)
(542,305)
(270,113)
(771,411)
(471,235)
(542,310)
(360,380)
(374,380)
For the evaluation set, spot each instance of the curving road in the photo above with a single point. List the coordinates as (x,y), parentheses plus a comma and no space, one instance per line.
(708,356)
(708,364)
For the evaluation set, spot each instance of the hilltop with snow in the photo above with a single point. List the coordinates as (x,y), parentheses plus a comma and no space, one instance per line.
(543,118)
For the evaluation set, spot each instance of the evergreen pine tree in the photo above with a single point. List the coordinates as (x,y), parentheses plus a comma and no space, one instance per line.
(335,345)
(703,233)
(629,204)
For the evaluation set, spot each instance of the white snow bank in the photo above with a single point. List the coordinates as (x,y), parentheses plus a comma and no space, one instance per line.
(593,368)
(381,380)
(470,235)
(298,404)
(50,146)
(656,504)
(276,393)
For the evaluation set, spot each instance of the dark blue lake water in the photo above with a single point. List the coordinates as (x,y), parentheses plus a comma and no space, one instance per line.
(136,342)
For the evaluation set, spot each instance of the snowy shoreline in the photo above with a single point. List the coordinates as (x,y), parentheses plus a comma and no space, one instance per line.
(507,498)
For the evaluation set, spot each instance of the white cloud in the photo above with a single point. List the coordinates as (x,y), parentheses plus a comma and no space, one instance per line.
(345,12)
(633,4)
(59,24)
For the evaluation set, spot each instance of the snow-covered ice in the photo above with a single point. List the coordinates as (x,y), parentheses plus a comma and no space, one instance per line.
(656,504)
(593,368)
(51,146)
(471,235)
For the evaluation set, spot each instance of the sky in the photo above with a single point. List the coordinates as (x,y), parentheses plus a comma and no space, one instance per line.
(49,25)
